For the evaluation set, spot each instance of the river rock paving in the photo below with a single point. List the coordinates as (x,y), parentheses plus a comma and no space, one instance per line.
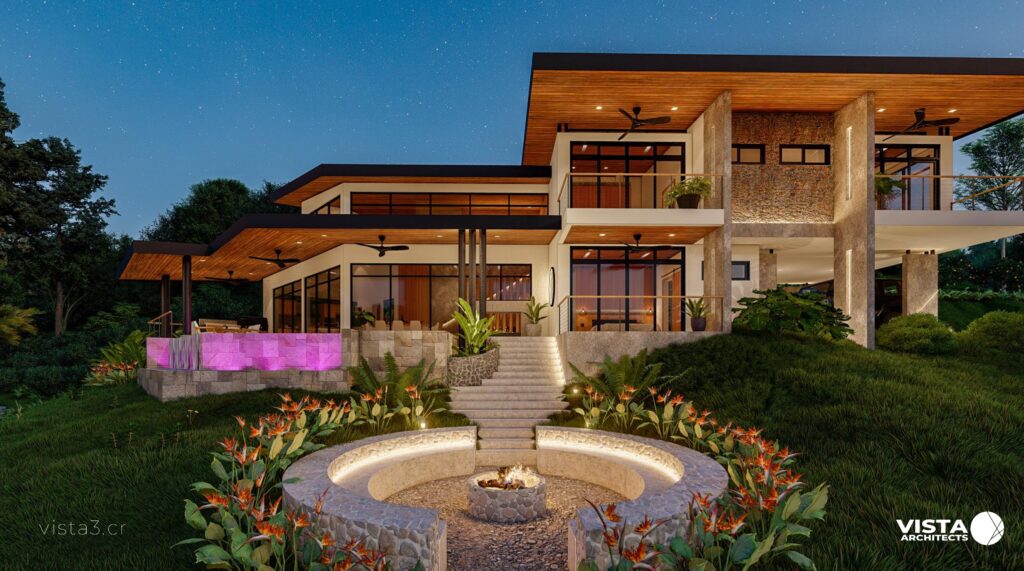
(475,545)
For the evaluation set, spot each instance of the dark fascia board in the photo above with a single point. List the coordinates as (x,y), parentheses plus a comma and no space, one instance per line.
(157,247)
(385,222)
(425,171)
(561,61)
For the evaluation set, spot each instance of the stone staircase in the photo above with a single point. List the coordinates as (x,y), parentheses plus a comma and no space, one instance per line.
(523,392)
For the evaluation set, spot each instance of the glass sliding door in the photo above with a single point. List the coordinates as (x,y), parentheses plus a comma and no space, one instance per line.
(626,289)
(623,175)
(288,308)
(323,302)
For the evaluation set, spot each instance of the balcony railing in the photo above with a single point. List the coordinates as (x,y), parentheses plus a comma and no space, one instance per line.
(923,192)
(635,313)
(620,190)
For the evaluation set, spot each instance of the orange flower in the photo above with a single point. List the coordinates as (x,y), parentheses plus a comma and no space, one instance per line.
(326,540)
(275,507)
(270,530)
(730,524)
(702,500)
(343,565)
(215,499)
(611,538)
(367,397)
(229,443)
(318,503)
(286,397)
(677,400)
(637,554)
(653,391)
(240,421)
(298,520)
(611,514)
(645,526)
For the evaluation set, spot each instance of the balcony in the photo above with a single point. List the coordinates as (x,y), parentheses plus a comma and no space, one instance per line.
(919,192)
(638,313)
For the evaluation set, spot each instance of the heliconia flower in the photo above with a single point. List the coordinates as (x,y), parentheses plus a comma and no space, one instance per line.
(327,540)
(275,507)
(730,524)
(610,513)
(677,400)
(611,538)
(644,526)
(318,503)
(702,500)
(351,545)
(270,530)
(653,391)
(215,499)
(298,520)
(240,421)
(259,514)
(286,397)
(228,443)
(343,565)
(637,554)
(367,397)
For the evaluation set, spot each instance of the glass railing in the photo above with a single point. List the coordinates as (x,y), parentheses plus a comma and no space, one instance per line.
(639,313)
(924,192)
(629,190)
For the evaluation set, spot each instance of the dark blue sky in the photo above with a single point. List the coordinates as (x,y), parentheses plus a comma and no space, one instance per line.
(162,95)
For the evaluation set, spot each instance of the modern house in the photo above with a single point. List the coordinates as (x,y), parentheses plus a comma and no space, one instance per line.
(792,147)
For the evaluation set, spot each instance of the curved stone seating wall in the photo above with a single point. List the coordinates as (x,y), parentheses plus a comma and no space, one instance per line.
(358,475)
(659,477)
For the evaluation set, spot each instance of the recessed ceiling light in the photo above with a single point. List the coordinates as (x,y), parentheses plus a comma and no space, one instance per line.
(599,107)
(671,235)
(647,149)
(675,108)
(953,110)
(881,110)
(252,273)
(587,254)
(323,235)
(496,236)
(585,147)
(605,168)
(440,235)
(202,259)
(602,235)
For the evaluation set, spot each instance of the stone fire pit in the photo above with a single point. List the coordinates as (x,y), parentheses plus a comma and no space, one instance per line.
(508,495)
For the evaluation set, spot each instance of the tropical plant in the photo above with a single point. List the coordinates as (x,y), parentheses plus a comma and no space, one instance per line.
(778,310)
(920,333)
(474,330)
(886,186)
(413,393)
(534,309)
(694,185)
(16,323)
(621,557)
(119,361)
(695,307)
(362,317)
(613,398)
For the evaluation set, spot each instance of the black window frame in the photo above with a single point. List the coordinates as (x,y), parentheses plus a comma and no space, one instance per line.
(742,146)
(510,209)
(909,159)
(334,295)
(332,206)
(625,157)
(735,264)
(803,155)
(278,293)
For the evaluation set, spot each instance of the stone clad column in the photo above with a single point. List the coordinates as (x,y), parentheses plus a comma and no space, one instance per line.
(853,172)
(717,137)
(921,283)
(767,269)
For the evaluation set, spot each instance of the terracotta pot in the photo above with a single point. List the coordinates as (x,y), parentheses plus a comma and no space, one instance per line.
(531,329)
(688,201)
(698,323)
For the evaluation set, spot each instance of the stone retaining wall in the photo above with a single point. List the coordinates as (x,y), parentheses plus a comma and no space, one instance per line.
(170,384)
(408,347)
(470,371)
(670,473)
(586,349)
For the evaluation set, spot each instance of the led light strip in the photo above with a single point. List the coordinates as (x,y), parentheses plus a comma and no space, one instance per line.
(551,441)
(458,441)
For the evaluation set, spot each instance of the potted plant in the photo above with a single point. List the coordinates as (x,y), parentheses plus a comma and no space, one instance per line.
(687,192)
(698,320)
(887,187)
(476,358)
(533,317)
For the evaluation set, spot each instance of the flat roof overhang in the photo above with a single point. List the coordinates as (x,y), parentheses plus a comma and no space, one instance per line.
(566,88)
(655,225)
(326,176)
(304,236)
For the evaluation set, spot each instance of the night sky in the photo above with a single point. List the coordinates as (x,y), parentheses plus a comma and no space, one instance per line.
(162,95)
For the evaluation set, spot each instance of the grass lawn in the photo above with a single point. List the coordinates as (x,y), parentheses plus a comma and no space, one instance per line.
(895,436)
(959,313)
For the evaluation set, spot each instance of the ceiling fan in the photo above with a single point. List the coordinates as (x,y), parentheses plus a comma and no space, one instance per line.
(382,249)
(281,262)
(230,279)
(921,123)
(635,122)
(638,246)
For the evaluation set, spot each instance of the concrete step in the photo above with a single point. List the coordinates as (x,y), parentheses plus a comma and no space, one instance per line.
(540,414)
(511,457)
(526,381)
(506,444)
(522,404)
(500,423)
(509,394)
(513,389)
(499,433)
(511,372)
(529,366)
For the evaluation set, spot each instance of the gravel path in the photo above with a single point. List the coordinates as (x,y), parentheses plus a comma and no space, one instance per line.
(475,545)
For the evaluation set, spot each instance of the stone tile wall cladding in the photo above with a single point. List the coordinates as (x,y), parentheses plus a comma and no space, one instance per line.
(472,370)
(170,384)
(350,510)
(774,192)
(568,451)
(408,347)
(506,506)
(586,349)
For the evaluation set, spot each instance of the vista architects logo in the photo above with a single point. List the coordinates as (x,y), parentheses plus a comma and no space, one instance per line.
(986,528)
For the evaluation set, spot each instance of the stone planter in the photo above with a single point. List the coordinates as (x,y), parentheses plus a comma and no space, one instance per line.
(506,506)
(472,370)
(531,329)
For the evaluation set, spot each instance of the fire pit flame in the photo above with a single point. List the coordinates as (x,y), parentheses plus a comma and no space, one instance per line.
(510,478)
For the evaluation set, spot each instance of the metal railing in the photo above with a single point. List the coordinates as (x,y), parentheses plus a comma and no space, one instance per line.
(636,313)
(621,190)
(155,323)
(924,191)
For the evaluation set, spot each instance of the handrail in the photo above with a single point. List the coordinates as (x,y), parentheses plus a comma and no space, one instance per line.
(156,320)
(565,179)
(561,307)
(1012,180)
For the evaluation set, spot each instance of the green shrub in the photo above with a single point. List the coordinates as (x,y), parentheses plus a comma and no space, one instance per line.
(45,380)
(779,311)
(920,333)
(474,329)
(995,331)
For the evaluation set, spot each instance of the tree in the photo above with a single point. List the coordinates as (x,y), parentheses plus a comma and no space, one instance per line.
(53,225)
(210,208)
(999,152)
(15,323)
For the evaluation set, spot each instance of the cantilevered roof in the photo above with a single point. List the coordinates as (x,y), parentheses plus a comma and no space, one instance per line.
(567,88)
(325,176)
(306,235)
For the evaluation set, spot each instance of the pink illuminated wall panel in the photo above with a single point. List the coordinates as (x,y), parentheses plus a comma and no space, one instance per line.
(270,351)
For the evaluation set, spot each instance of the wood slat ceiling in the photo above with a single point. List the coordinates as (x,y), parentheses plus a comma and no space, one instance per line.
(650,235)
(570,96)
(234,255)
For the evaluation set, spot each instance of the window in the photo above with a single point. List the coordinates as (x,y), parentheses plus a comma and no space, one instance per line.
(332,207)
(626,289)
(450,203)
(748,154)
(426,292)
(611,174)
(288,308)
(922,161)
(805,154)
(323,302)
(740,271)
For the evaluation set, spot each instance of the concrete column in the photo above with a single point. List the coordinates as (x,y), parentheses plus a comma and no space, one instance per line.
(166,322)
(186,295)
(853,171)
(920,283)
(717,138)
(768,271)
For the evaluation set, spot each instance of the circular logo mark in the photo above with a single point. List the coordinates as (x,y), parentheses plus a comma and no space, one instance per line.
(987,528)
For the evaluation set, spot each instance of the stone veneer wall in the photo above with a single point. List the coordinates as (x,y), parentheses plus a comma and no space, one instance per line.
(408,347)
(774,192)
(470,371)
(586,349)
(170,384)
